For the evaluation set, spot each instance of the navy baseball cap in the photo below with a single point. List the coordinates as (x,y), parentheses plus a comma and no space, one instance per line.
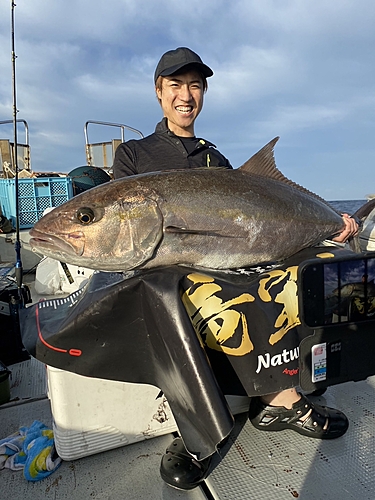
(173,60)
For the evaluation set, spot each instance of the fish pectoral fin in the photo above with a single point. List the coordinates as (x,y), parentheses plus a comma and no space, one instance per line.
(184,230)
(202,232)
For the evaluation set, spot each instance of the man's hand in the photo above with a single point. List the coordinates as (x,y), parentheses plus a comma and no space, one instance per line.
(351,229)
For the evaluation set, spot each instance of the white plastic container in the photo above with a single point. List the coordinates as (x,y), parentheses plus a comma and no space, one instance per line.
(93,415)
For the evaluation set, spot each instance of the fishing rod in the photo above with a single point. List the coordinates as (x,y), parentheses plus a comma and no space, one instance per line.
(18,270)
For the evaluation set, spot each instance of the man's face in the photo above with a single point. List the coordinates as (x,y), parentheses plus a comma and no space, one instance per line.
(181,98)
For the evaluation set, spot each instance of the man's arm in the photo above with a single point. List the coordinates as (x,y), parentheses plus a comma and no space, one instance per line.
(123,163)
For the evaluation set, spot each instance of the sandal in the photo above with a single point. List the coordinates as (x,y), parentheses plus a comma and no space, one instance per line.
(277,418)
(180,469)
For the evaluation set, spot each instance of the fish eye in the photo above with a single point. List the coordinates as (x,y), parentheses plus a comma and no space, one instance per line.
(85,215)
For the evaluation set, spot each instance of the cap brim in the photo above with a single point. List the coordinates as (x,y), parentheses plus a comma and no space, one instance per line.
(207,72)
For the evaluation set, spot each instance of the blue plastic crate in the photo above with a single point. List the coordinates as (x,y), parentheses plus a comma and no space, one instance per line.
(34,196)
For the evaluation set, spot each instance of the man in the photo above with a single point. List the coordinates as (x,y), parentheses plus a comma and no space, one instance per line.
(180,84)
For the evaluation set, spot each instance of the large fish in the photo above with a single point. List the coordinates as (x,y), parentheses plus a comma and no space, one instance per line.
(214,218)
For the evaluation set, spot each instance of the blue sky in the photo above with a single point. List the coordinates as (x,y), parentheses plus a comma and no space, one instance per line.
(297,69)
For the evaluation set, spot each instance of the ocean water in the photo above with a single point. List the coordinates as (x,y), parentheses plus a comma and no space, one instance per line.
(347,206)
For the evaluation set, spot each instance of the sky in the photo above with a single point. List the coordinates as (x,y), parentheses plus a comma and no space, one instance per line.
(301,70)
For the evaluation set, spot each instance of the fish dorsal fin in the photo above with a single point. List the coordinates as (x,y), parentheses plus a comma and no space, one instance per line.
(263,164)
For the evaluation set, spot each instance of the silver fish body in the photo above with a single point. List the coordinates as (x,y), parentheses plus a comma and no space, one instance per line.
(213,218)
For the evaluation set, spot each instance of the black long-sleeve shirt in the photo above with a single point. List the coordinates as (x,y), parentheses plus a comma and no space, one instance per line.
(163,150)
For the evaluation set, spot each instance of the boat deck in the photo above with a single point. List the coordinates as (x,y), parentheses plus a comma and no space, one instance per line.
(254,466)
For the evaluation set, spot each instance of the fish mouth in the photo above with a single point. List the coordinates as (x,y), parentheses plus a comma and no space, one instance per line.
(58,243)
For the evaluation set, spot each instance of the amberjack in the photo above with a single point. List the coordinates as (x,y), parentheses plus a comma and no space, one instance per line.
(208,217)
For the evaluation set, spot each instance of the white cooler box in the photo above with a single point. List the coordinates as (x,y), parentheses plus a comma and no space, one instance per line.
(92,415)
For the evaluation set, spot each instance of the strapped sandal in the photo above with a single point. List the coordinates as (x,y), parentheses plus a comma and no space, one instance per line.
(277,418)
(180,469)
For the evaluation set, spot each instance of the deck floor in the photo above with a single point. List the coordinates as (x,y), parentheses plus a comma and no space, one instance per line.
(261,465)
(255,465)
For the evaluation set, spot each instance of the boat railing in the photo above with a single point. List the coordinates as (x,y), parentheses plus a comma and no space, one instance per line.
(101,154)
(7,157)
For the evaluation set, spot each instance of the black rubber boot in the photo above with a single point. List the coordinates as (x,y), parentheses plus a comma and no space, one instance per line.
(180,469)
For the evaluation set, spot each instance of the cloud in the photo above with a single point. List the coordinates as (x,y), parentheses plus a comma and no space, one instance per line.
(300,70)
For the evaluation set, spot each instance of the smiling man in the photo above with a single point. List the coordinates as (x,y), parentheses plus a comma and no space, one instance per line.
(180,83)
